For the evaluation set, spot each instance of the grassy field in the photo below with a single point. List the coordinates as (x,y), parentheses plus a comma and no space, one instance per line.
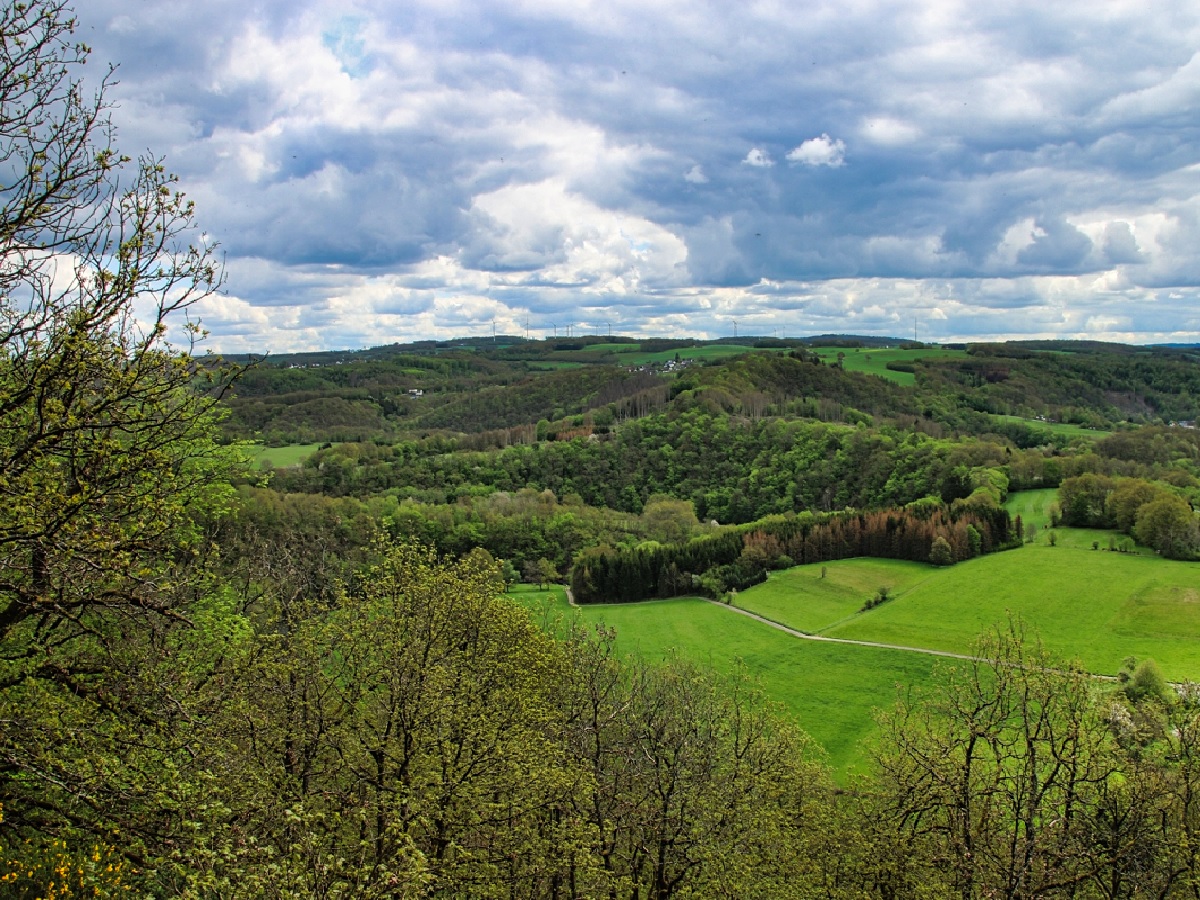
(1057,427)
(708,351)
(282,457)
(1094,606)
(1032,506)
(803,599)
(614,348)
(874,362)
(830,689)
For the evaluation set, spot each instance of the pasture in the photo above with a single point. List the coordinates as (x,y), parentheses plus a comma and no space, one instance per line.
(1061,428)
(1034,507)
(874,362)
(830,689)
(703,352)
(1096,606)
(281,457)
(1092,605)
(804,599)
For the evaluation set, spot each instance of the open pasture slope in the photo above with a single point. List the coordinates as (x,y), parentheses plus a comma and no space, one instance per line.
(830,689)
(874,362)
(1063,428)
(282,457)
(817,597)
(1096,606)
(1092,605)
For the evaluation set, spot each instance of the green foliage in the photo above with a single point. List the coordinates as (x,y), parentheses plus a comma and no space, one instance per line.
(738,558)
(941,553)
(258,698)
(808,679)
(975,775)
(1168,524)
(107,447)
(1144,681)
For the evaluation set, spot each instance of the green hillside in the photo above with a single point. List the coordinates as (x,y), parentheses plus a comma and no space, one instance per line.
(831,689)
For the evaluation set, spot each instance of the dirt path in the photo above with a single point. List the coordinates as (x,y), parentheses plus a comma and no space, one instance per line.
(805,636)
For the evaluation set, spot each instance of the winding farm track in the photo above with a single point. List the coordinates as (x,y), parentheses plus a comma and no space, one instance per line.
(805,636)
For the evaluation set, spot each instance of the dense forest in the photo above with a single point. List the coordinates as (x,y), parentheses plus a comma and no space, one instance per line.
(224,680)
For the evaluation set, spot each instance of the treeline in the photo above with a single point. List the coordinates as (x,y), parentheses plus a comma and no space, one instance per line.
(330,535)
(469,391)
(1157,514)
(1095,385)
(731,469)
(739,558)
(420,737)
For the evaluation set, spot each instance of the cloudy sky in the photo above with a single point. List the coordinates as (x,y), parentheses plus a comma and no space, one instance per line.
(385,171)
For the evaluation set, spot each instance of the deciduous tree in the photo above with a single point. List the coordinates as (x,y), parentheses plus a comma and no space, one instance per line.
(106,429)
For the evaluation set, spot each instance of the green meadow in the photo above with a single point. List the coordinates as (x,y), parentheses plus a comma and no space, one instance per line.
(705,352)
(830,689)
(282,457)
(1062,428)
(1092,605)
(874,362)
(815,598)
(1096,606)
(1032,506)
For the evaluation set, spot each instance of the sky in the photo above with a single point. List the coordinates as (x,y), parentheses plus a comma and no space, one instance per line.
(376,172)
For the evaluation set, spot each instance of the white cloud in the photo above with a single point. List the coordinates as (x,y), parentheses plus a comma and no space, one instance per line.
(820,151)
(757,157)
(696,175)
(1175,93)
(543,233)
(887,131)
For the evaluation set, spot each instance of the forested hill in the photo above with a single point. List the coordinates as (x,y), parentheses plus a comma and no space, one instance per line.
(593,384)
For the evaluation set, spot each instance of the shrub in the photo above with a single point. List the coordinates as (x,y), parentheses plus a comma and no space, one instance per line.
(941,554)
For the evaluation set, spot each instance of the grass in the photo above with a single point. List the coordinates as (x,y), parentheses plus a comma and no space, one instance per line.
(1057,427)
(1032,506)
(874,362)
(282,457)
(613,348)
(802,599)
(1094,606)
(705,352)
(830,689)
